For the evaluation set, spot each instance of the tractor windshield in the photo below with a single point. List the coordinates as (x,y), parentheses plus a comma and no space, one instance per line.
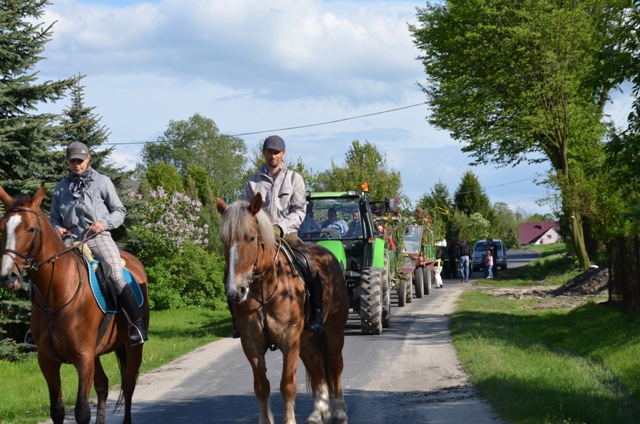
(332,218)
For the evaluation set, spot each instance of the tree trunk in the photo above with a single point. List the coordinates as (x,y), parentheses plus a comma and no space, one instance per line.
(577,236)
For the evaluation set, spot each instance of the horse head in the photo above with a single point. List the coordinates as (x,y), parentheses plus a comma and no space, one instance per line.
(19,228)
(247,235)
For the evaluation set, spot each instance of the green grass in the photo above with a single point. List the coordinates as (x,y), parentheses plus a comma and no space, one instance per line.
(538,361)
(172,334)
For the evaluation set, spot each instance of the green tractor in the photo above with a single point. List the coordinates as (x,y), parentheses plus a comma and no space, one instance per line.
(344,223)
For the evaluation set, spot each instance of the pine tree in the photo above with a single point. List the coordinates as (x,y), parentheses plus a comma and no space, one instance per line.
(27,138)
(80,123)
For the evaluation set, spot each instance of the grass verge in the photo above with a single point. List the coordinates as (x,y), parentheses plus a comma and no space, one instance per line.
(539,361)
(172,334)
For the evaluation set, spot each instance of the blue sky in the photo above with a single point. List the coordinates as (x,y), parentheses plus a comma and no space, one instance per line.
(256,66)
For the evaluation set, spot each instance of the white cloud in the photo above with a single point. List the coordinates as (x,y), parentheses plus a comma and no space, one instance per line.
(254,65)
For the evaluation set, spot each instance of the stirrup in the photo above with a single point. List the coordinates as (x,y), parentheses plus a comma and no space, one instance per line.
(136,337)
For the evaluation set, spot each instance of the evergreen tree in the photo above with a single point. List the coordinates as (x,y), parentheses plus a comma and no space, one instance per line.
(80,123)
(471,198)
(27,138)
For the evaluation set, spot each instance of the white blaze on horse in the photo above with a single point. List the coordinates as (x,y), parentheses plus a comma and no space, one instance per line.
(269,299)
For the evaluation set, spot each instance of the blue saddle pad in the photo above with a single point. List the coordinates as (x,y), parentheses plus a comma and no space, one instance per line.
(100,296)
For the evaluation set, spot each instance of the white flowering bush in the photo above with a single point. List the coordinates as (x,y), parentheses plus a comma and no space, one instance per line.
(171,242)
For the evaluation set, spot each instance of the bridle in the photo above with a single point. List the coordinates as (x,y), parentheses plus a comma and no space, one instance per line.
(254,276)
(30,258)
(32,265)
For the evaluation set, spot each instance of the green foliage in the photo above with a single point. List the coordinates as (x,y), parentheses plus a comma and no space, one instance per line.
(27,138)
(14,324)
(192,278)
(471,198)
(198,141)
(170,241)
(363,162)
(163,175)
(504,80)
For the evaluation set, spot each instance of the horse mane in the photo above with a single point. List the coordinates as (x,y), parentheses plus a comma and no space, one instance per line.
(237,224)
(18,201)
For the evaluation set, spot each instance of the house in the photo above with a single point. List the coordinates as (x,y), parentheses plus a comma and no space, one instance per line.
(538,233)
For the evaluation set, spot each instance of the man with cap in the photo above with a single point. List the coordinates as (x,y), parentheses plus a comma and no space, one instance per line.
(86,205)
(284,194)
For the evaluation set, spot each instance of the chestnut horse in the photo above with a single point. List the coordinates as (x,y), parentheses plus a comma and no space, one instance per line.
(65,316)
(269,309)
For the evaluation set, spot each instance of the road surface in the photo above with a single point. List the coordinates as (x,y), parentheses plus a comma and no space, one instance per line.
(409,374)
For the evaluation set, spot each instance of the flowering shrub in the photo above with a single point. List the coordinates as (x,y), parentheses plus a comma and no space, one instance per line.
(166,223)
(171,240)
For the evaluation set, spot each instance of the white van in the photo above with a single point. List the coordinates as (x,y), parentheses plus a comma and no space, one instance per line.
(481,247)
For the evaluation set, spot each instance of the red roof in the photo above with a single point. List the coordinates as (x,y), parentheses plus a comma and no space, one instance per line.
(530,232)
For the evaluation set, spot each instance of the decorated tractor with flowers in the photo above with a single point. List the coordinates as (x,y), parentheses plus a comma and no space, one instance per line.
(346,224)
(416,261)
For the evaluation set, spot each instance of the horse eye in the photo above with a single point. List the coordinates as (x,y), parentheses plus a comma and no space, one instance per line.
(31,230)
(252,239)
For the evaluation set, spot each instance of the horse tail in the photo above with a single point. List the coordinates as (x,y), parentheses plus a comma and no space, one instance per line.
(121,355)
(322,343)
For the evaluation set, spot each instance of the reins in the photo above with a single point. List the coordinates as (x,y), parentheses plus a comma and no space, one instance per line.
(30,259)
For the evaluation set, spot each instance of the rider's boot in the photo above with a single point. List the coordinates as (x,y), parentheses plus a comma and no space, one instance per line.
(315,289)
(137,332)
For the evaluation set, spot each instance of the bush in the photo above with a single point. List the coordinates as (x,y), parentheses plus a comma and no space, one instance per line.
(193,278)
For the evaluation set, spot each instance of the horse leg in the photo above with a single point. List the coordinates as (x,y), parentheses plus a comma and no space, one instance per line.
(261,385)
(101,384)
(130,358)
(314,363)
(336,365)
(51,372)
(288,385)
(85,366)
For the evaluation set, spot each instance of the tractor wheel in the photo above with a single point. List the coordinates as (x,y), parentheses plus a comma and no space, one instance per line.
(402,293)
(371,301)
(428,279)
(419,282)
(386,294)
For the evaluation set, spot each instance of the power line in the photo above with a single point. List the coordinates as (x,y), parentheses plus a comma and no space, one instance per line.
(299,126)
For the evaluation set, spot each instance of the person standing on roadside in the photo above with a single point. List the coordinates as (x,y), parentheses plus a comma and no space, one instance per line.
(464,255)
(491,245)
(284,199)
(488,263)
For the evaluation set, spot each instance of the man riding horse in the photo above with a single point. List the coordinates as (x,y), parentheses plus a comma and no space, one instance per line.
(284,194)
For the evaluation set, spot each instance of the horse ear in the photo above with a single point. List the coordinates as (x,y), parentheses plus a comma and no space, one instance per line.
(37,198)
(256,204)
(221,205)
(6,199)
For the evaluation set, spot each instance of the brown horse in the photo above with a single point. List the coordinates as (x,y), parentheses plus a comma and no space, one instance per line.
(269,309)
(65,317)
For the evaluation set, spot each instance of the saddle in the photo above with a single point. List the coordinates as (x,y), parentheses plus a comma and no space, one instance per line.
(99,281)
(299,264)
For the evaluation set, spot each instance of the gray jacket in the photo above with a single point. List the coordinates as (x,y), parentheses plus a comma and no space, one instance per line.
(99,202)
(284,199)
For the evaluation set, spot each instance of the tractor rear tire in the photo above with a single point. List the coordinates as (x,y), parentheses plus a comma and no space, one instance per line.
(386,293)
(402,293)
(428,279)
(419,282)
(371,301)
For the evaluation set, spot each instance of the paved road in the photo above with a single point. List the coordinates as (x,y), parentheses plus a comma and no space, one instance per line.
(409,374)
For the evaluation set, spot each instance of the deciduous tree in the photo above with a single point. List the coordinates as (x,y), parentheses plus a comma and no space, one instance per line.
(525,81)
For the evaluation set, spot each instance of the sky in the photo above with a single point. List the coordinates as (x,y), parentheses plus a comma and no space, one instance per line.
(320,74)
